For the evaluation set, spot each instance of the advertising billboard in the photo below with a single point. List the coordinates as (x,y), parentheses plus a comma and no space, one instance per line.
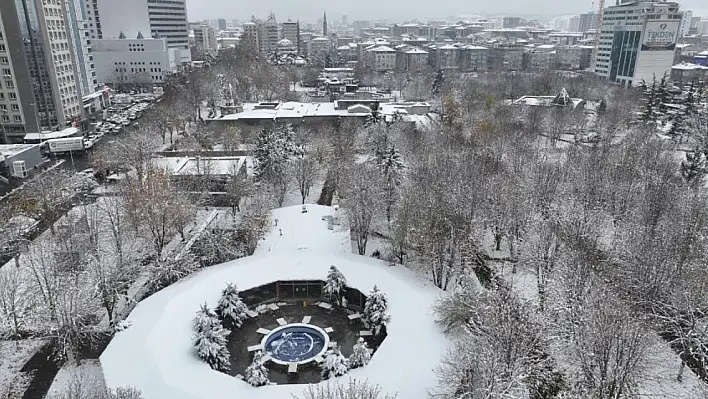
(66,145)
(660,35)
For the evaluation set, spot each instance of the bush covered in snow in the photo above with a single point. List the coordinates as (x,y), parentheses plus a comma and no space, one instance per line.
(360,355)
(169,271)
(231,308)
(209,340)
(335,285)
(256,373)
(375,314)
(335,364)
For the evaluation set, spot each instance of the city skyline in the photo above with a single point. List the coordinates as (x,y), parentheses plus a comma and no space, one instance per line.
(398,10)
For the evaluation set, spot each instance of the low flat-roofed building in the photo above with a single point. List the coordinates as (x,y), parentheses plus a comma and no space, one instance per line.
(18,160)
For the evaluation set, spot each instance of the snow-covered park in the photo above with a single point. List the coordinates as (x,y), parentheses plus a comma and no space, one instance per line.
(156,356)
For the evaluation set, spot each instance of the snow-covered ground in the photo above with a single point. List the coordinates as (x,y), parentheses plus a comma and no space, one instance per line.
(155,354)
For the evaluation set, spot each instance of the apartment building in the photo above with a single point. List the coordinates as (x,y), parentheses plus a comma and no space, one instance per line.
(638,41)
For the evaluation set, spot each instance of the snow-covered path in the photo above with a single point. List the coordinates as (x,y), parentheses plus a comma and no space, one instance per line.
(155,354)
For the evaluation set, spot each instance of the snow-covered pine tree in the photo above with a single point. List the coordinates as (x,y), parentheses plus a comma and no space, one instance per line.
(335,364)
(334,286)
(231,308)
(210,339)
(375,316)
(205,319)
(438,82)
(360,355)
(210,345)
(256,373)
(391,164)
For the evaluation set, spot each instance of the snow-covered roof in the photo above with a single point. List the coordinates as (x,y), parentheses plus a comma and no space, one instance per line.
(155,355)
(186,166)
(415,51)
(686,66)
(68,132)
(382,49)
(10,150)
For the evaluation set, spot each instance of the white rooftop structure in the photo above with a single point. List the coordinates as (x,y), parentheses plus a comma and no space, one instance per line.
(189,166)
(59,134)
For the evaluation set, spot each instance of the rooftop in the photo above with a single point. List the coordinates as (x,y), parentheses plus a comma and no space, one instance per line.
(10,150)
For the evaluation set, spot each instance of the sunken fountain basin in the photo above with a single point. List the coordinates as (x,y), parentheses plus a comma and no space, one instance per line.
(296,343)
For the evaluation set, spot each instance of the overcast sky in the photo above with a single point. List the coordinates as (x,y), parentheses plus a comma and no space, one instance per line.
(395,10)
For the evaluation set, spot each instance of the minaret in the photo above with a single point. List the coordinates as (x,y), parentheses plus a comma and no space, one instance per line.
(324,25)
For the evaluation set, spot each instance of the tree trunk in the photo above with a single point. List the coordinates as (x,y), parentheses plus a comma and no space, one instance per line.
(679,377)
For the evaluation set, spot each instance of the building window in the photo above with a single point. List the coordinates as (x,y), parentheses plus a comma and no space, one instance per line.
(15,107)
(5,118)
(12,96)
(18,118)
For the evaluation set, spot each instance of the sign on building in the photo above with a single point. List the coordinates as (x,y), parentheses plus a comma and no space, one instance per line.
(660,35)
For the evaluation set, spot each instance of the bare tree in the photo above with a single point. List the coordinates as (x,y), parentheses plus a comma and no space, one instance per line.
(362,200)
(14,299)
(610,346)
(50,192)
(353,390)
(157,208)
(305,172)
(255,218)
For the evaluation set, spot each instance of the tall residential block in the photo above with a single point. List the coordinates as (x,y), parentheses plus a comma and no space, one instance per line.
(40,74)
(638,41)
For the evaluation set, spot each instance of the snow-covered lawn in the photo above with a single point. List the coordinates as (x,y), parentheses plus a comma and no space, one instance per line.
(155,354)
(14,355)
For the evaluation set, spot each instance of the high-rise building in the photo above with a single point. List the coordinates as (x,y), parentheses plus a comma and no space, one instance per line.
(588,21)
(686,23)
(80,35)
(165,19)
(511,22)
(18,114)
(205,38)
(291,30)
(574,24)
(250,34)
(221,22)
(268,35)
(324,26)
(638,41)
(42,72)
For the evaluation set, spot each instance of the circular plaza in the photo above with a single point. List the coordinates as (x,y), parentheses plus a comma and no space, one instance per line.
(289,321)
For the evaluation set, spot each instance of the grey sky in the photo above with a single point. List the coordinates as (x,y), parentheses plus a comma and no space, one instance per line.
(399,10)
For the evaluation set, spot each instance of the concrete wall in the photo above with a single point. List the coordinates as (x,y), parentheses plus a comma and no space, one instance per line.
(149,57)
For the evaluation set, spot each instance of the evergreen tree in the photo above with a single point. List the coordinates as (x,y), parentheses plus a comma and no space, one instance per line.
(391,164)
(375,117)
(209,340)
(335,364)
(256,373)
(438,82)
(274,147)
(693,169)
(375,314)
(335,285)
(205,319)
(231,308)
(360,355)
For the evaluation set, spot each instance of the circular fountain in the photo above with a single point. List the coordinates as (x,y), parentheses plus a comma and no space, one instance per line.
(295,343)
